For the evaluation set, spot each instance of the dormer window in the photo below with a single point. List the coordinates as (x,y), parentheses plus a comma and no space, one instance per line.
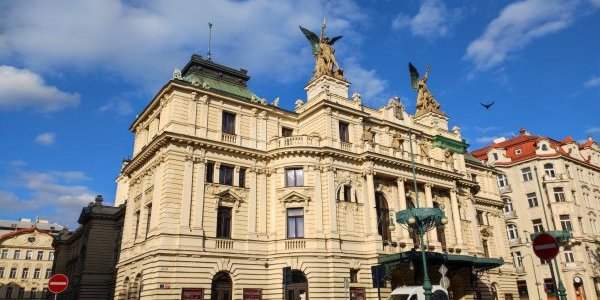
(518,151)
(544,147)
(495,155)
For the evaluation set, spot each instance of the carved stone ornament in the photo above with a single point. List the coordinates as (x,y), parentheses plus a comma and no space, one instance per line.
(177,74)
(356,97)
(298,103)
(230,197)
(398,142)
(425,148)
(275,102)
(397,107)
(295,197)
(368,135)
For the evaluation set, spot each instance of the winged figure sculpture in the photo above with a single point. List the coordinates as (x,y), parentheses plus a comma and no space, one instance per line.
(322,49)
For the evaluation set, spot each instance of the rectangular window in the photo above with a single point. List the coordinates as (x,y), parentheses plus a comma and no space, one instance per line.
(286,131)
(495,155)
(48,273)
(502,180)
(347,193)
(137,224)
(353,275)
(486,249)
(224,222)
(40,255)
(526,172)
(228,122)
(1,272)
(36,274)
(25,273)
(559,194)
(569,258)
(51,255)
(148,218)
(294,177)
(537,225)
(522,288)
(480,218)
(33,293)
(518,257)
(565,222)
(13,273)
(226,175)
(210,170)
(344,133)
(295,223)
(29,255)
(532,200)
(17,254)
(9,291)
(4,254)
(242,177)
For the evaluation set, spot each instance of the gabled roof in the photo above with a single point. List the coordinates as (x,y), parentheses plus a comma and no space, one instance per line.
(21,231)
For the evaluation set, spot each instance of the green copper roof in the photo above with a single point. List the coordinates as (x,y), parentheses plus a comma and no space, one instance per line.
(450,144)
(452,261)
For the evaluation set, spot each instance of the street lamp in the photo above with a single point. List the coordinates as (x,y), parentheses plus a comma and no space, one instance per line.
(422,220)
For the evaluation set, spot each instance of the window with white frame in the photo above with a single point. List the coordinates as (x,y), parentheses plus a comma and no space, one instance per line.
(502,180)
(569,257)
(537,225)
(508,206)
(559,194)
(294,177)
(565,222)
(532,200)
(518,258)
(295,223)
(512,232)
(549,170)
(526,173)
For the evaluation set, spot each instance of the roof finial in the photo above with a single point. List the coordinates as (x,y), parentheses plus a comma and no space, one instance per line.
(210,25)
(323,26)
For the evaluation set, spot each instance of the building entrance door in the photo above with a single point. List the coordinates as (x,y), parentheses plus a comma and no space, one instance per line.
(221,287)
(297,289)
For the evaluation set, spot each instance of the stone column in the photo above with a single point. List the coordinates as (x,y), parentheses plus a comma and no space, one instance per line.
(401,205)
(198,204)
(156,198)
(456,218)
(371,222)
(476,233)
(318,203)
(236,176)
(217,172)
(273,209)
(432,234)
(186,199)
(330,173)
(252,202)
(262,200)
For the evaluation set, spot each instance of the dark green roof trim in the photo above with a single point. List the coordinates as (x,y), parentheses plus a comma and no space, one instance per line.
(452,261)
(450,144)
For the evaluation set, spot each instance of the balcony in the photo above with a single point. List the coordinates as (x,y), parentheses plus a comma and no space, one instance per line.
(556,177)
(294,141)
(520,269)
(572,266)
(510,215)
(224,244)
(505,189)
(228,138)
(516,242)
(295,244)
(346,146)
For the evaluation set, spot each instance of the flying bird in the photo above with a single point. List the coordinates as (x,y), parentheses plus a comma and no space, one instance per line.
(487,105)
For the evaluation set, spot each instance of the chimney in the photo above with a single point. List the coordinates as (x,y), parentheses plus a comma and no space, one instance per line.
(523,131)
(98,200)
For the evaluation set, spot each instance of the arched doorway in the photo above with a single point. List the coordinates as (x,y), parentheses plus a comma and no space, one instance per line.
(221,287)
(297,288)
(383,217)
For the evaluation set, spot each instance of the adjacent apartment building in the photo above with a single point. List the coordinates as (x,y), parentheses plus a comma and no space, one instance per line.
(550,185)
(230,197)
(89,254)
(26,256)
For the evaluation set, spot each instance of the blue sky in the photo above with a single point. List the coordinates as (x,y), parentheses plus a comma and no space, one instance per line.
(73,75)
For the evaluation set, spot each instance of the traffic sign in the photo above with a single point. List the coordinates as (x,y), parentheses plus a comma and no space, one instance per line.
(58,283)
(545,246)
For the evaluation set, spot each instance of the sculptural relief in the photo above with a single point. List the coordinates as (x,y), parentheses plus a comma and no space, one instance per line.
(322,47)
(425,100)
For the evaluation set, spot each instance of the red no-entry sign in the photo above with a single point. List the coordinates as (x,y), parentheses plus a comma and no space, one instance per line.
(58,283)
(545,246)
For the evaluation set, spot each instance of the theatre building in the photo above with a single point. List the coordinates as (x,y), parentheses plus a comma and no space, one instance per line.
(229,196)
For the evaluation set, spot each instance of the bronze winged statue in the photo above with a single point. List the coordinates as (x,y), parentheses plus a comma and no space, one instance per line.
(425,100)
(322,48)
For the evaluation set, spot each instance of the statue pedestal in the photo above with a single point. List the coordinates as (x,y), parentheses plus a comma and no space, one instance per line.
(434,120)
(326,88)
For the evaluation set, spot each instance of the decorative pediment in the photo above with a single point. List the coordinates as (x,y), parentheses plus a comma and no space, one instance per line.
(295,197)
(486,232)
(229,197)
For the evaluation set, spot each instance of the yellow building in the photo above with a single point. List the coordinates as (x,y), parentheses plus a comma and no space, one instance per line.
(26,257)
(550,185)
(230,197)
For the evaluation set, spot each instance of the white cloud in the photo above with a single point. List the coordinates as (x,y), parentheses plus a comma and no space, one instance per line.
(433,20)
(22,88)
(517,25)
(364,81)
(486,139)
(119,106)
(144,43)
(594,81)
(595,2)
(46,138)
(593,131)
(56,194)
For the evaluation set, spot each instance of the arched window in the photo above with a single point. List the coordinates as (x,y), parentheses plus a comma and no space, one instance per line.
(512,231)
(508,206)
(549,170)
(133,291)
(345,193)
(221,287)
(383,217)
(296,287)
(124,295)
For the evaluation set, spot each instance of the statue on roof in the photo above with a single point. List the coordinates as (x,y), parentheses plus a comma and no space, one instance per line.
(425,100)
(322,48)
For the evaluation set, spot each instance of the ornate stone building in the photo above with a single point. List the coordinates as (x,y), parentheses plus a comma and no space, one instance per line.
(89,254)
(230,197)
(550,185)
(26,256)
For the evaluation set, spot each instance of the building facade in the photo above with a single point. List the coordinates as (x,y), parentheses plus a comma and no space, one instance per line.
(230,197)
(550,185)
(26,256)
(89,254)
